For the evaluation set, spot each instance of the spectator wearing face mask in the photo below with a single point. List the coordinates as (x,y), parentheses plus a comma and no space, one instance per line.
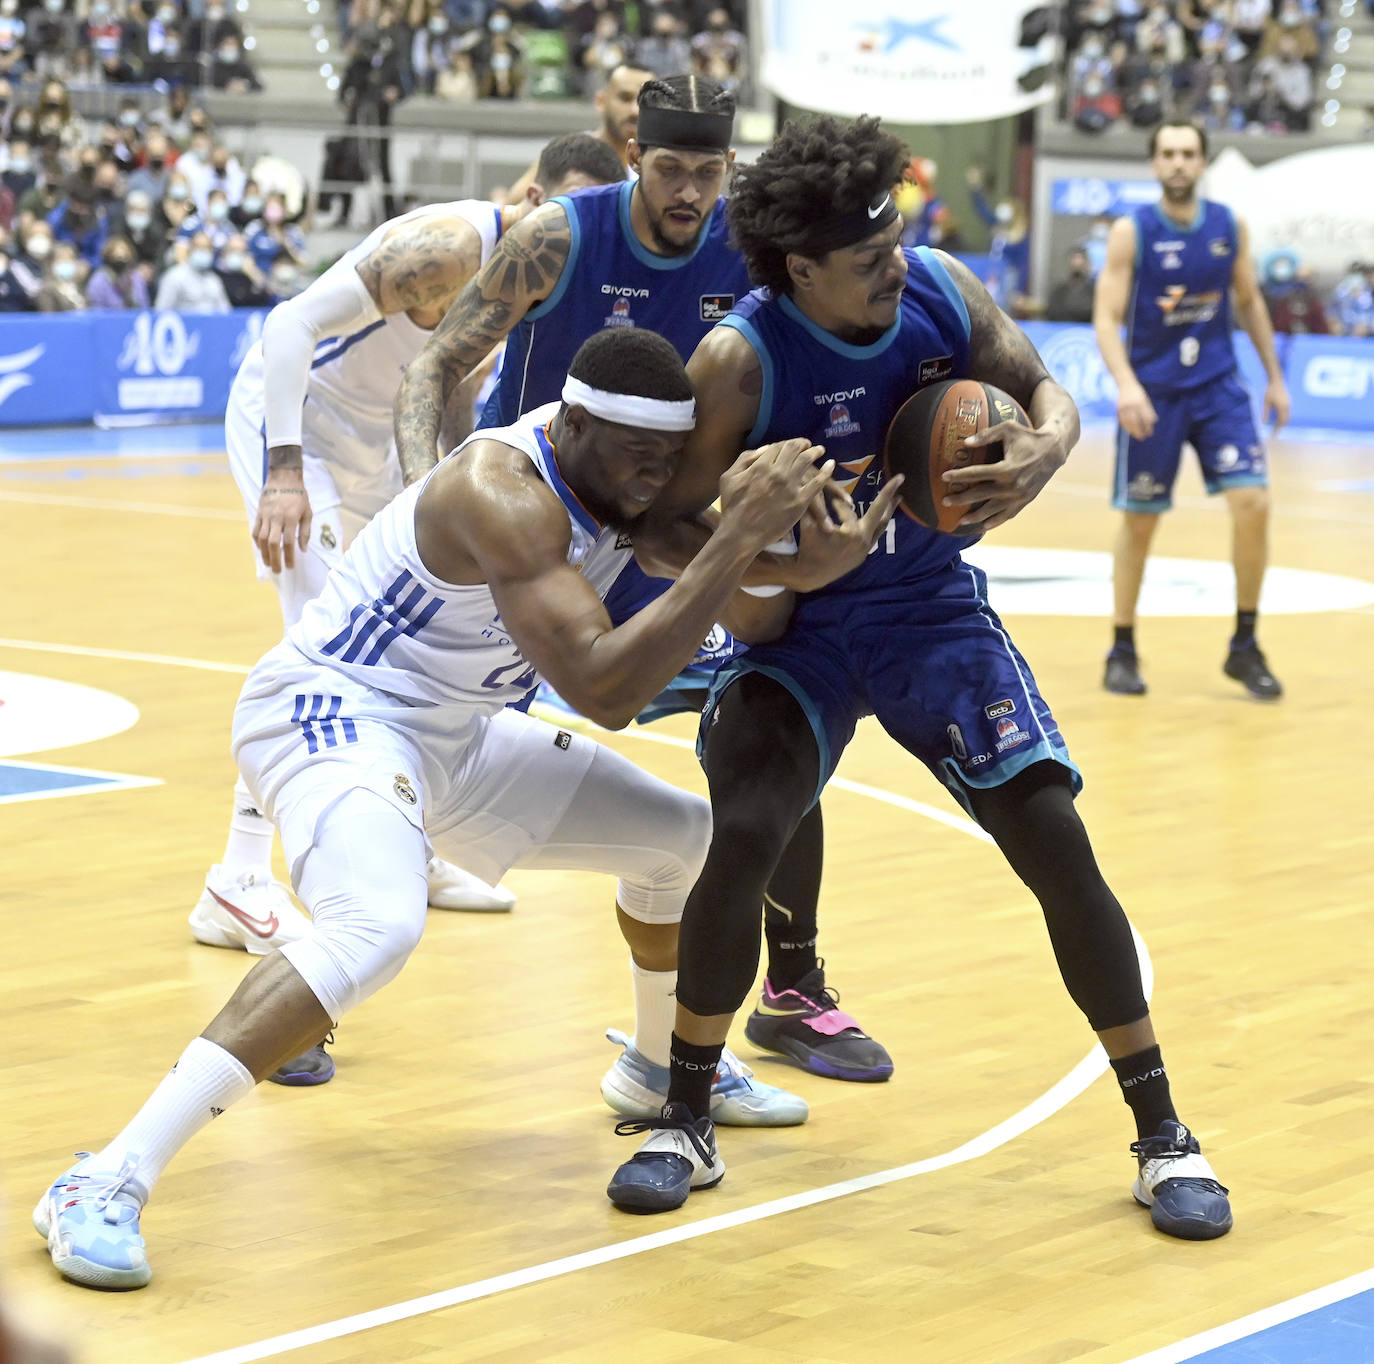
(720,51)
(1147,105)
(164,17)
(42,197)
(172,65)
(29,261)
(54,117)
(176,205)
(191,285)
(217,24)
(1289,22)
(248,209)
(138,225)
(432,44)
(18,176)
(665,51)
(61,290)
(109,40)
(1295,307)
(150,177)
(1281,88)
(52,34)
(80,220)
(1071,299)
(272,238)
(13,55)
(603,50)
(231,70)
(244,284)
(1009,245)
(118,283)
(222,172)
(457,82)
(1352,301)
(1214,98)
(215,220)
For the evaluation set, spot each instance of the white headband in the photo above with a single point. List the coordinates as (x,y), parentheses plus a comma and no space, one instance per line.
(627,409)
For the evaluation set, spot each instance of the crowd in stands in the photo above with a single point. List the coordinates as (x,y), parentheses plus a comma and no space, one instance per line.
(1232,65)
(126,42)
(148,208)
(466,50)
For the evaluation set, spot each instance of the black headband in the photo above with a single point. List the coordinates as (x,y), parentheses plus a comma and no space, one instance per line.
(847,229)
(684,130)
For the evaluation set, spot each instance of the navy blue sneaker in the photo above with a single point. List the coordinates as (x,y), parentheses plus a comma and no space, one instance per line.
(1178,1185)
(1122,674)
(680,1155)
(1249,667)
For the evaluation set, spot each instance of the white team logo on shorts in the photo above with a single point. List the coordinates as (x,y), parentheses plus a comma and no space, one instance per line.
(404,789)
(1228,457)
(327,536)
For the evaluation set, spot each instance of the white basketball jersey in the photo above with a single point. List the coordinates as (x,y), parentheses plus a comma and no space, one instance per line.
(354,379)
(384,621)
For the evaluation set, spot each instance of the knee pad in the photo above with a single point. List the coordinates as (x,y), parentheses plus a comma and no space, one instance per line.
(364,885)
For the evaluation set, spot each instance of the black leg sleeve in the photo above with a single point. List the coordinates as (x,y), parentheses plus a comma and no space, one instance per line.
(761,766)
(1033,819)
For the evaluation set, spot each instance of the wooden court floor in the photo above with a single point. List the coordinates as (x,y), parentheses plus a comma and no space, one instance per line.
(463,1148)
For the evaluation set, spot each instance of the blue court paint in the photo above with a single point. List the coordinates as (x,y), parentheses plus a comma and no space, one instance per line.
(68,442)
(1342,1333)
(41,781)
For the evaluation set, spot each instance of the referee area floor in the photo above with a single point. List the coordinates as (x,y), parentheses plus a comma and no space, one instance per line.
(443,1198)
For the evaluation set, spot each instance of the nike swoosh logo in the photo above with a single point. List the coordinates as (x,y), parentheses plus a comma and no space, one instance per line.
(263,928)
(873,212)
(760,1006)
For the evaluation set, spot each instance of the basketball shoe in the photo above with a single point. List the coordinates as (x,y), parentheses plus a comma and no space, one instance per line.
(1122,675)
(638,1088)
(90,1223)
(246,912)
(680,1155)
(313,1067)
(451,887)
(1178,1185)
(807,1024)
(1248,666)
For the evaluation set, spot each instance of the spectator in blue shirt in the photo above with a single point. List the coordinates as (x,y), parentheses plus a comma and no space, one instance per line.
(78,219)
(272,237)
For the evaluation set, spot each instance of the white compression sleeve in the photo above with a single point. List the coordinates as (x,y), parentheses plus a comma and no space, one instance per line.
(336,304)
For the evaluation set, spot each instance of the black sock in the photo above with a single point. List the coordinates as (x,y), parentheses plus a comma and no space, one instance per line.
(691,1072)
(1123,637)
(789,904)
(1145,1087)
(1245,629)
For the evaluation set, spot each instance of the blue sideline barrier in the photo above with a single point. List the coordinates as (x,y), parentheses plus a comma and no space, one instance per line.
(131,368)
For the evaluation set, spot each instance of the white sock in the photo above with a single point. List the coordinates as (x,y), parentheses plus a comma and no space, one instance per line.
(249,849)
(655,1012)
(202,1084)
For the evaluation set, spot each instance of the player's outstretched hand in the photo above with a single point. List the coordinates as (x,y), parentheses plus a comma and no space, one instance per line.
(837,545)
(764,493)
(994,493)
(283,519)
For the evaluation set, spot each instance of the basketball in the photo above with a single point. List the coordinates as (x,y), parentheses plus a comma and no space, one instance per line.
(926,438)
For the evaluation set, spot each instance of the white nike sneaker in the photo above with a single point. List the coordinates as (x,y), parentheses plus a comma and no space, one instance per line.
(451,887)
(258,916)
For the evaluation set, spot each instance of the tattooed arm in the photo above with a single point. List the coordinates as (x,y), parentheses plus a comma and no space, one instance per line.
(1000,353)
(523,269)
(421,265)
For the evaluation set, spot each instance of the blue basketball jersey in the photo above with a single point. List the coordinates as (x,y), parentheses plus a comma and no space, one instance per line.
(612,280)
(1179,321)
(844,397)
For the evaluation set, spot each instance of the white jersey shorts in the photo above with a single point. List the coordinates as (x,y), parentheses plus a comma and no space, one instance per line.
(485,789)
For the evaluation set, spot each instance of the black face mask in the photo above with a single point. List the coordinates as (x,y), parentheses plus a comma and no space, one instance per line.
(156,163)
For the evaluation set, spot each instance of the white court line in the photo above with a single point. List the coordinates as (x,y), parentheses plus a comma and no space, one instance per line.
(126,656)
(1058,1096)
(109,504)
(1258,1321)
(113,457)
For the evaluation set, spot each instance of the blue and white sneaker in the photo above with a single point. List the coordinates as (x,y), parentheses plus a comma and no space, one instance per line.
(679,1156)
(91,1225)
(638,1088)
(1178,1185)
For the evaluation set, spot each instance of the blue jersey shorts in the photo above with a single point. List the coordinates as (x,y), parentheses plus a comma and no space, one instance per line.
(1216,420)
(931,661)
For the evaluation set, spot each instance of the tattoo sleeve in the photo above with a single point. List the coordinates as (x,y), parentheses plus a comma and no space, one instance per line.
(522,270)
(1000,353)
(283,457)
(421,265)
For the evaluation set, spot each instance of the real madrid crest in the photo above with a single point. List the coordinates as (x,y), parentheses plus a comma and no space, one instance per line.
(404,789)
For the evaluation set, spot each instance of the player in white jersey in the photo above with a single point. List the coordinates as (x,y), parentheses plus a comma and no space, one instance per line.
(308,430)
(378,730)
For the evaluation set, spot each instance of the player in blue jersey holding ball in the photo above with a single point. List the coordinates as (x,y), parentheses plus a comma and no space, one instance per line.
(1170,272)
(908,636)
(652,253)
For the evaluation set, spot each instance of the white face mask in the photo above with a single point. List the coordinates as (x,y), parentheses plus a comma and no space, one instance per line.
(39,247)
(1004,213)
(251,206)
(138,221)
(53,6)
(64,269)
(177,192)
(8,6)
(219,210)
(232,261)
(201,259)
